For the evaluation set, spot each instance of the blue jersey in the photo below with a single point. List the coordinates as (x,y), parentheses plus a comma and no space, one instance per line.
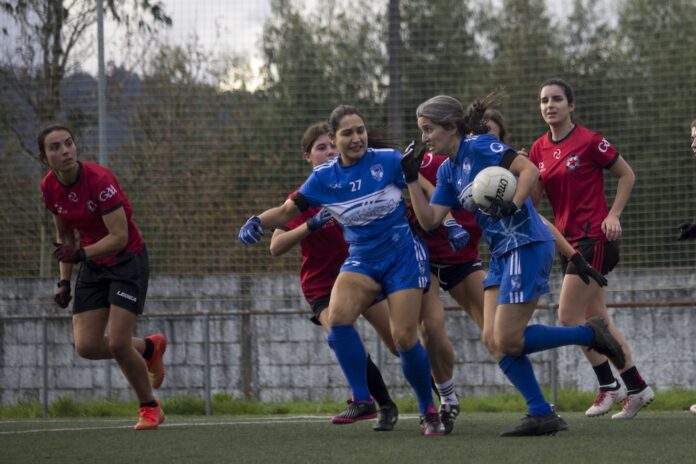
(453,189)
(365,198)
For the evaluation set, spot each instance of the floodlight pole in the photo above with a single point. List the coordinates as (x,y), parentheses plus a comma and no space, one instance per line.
(101,86)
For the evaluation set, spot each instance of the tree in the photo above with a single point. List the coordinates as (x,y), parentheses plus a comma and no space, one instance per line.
(46,44)
(48,34)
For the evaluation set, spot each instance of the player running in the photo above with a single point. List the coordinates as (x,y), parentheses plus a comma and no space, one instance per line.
(362,190)
(521,246)
(571,161)
(323,251)
(112,280)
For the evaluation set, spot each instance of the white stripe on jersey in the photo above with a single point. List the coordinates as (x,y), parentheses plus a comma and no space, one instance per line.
(363,210)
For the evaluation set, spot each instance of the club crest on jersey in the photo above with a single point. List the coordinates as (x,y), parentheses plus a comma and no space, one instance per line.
(72,196)
(377,172)
(573,162)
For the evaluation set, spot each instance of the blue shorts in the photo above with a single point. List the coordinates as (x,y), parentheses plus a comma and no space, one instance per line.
(407,268)
(523,273)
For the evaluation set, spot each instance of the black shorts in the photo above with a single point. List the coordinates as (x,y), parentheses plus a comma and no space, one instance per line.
(322,303)
(602,255)
(450,275)
(318,306)
(123,284)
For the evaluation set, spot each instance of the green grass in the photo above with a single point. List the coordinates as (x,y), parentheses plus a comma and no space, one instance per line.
(653,436)
(225,404)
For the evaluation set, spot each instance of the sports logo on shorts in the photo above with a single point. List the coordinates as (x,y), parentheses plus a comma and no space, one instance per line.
(515,283)
(573,162)
(377,172)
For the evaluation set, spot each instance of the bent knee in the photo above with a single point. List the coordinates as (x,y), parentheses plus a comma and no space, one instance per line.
(404,339)
(509,345)
(87,350)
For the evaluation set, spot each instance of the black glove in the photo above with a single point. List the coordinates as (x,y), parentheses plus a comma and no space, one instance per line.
(411,161)
(62,296)
(687,231)
(68,253)
(585,271)
(501,208)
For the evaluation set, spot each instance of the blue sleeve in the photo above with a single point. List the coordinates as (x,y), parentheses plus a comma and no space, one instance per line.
(444,194)
(311,190)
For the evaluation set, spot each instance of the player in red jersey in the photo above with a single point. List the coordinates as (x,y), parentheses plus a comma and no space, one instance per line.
(323,252)
(571,161)
(687,231)
(113,276)
(461,274)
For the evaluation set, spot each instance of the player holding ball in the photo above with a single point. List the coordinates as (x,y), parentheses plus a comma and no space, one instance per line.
(521,245)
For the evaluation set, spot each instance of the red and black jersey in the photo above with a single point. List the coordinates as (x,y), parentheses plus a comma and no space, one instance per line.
(82,204)
(323,253)
(436,240)
(572,171)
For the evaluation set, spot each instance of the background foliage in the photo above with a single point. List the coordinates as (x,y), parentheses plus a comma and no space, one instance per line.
(200,141)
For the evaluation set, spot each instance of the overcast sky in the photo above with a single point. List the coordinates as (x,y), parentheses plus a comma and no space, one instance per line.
(220,26)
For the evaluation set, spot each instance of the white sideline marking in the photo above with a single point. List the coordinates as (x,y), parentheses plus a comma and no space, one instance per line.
(199,423)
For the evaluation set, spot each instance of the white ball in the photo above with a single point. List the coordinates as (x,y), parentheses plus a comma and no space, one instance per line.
(493,181)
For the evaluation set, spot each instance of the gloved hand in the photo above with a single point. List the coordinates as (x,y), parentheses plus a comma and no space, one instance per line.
(687,231)
(411,161)
(68,253)
(585,271)
(457,236)
(62,297)
(250,233)
(318,220)
(501,208)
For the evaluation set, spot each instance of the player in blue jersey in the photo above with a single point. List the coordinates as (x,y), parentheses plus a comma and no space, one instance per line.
(323,253)
(521,246)
(362,190)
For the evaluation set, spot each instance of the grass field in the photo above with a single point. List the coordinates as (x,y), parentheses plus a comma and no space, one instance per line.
(653,436)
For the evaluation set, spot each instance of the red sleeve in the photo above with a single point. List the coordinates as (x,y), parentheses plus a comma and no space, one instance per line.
(108,193)
(603,153)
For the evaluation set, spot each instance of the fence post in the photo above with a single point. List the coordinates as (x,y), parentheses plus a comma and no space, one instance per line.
(553,365)
(44,370)
(107,378)
(206,327)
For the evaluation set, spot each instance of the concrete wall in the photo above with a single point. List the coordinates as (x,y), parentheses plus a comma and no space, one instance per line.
(282,356)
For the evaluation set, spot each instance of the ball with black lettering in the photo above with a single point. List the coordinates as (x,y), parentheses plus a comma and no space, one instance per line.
(495,182)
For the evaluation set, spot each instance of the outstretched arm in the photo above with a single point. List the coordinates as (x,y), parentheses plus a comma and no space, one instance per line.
(251,232)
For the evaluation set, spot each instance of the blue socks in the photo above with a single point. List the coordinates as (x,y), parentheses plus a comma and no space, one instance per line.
(543,337)
(519,370)
(345,341)
(416,367)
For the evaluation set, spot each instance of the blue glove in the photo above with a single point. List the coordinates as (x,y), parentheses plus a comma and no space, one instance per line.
(457,236)
(318,220)
(251,232)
